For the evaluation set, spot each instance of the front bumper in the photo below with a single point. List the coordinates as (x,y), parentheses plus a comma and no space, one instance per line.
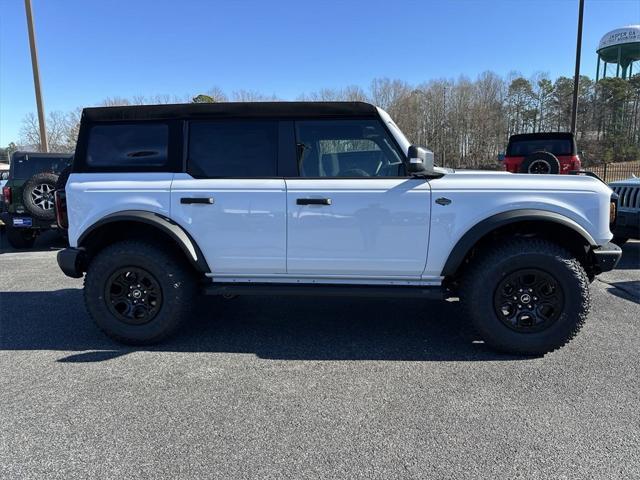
(606,257)
(71,261)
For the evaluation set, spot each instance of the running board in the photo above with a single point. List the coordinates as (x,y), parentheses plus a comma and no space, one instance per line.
(431,293)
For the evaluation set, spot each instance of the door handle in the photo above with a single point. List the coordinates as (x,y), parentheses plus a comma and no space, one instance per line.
(201,200)
(313,201)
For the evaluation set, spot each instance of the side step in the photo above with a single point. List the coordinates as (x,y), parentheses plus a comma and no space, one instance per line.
(431,293)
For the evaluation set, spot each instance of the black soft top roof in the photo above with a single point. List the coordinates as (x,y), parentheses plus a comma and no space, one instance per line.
(542,136)
(230,110)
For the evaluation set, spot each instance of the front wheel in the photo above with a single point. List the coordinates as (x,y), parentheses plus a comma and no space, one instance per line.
(526,296)
(138,293)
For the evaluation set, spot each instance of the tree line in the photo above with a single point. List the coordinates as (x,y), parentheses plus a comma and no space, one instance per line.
(465,122)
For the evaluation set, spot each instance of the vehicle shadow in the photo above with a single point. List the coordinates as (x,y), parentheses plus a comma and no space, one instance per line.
(291,328)
(629,290)
(630,256)
(47,241)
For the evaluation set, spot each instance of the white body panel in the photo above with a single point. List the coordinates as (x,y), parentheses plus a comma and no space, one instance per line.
(477,195)
(243,231)
(93,196)
(387,231)
(373,227)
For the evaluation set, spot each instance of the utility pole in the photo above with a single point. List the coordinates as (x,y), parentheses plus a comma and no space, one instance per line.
(576,76)
(36,77)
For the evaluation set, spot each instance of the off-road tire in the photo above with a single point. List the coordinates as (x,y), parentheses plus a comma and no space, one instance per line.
(620,241)
(47,180)
(485,273)
(20,238)
(547,158)
(177,281)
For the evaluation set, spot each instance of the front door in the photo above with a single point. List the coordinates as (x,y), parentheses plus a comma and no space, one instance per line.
(352,212)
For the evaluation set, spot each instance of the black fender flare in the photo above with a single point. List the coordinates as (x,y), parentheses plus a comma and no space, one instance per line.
(165,224)
(478,231)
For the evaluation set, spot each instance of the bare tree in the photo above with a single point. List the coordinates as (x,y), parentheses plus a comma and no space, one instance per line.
(465,122)
(116,102)
(57,129)
(251,96)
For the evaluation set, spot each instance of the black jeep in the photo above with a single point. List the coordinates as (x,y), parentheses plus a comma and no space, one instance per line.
(28,195)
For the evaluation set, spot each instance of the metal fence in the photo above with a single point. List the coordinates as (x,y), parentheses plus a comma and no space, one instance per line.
(610,172)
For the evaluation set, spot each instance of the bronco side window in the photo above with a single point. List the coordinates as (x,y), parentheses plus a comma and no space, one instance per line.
(346,148)
(128,145)
(233,148)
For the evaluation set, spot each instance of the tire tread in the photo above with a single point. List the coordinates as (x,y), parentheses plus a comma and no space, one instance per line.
(154,252)
(475,276)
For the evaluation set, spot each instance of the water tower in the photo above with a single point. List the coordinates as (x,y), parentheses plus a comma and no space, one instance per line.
(620,47)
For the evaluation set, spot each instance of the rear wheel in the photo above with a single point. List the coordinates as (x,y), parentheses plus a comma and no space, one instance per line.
(526,296)
(138,293)
(20,238)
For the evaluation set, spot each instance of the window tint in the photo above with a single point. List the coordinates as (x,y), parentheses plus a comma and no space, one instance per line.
(233,149)
(557,146)
(132,145)
(346,148)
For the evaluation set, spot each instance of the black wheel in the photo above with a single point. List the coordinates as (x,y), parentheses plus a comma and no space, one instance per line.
(540,163)
(139,293)
(20,238)
(526,296)
(620,240)
(37,196)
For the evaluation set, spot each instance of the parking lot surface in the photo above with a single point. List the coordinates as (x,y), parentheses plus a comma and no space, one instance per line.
(310,388)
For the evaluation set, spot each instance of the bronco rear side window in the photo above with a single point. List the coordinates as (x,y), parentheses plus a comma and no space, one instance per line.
(233,148)
(128,145)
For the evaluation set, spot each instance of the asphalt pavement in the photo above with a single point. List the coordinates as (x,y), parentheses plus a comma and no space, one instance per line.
(310,388)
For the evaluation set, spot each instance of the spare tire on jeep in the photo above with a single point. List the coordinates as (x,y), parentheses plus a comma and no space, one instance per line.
(540,162)
(37,196)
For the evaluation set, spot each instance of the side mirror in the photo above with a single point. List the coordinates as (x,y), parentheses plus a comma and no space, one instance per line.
(420,160)
(501,156)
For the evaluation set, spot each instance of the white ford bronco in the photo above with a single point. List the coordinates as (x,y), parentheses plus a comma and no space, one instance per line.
(165,202)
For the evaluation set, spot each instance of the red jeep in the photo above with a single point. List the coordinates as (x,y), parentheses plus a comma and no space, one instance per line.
(542,153)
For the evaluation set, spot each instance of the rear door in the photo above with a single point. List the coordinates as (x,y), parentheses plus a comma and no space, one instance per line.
(230,199)
(352,211)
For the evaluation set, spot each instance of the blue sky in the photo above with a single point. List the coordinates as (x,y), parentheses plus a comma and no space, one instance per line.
(93,49)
